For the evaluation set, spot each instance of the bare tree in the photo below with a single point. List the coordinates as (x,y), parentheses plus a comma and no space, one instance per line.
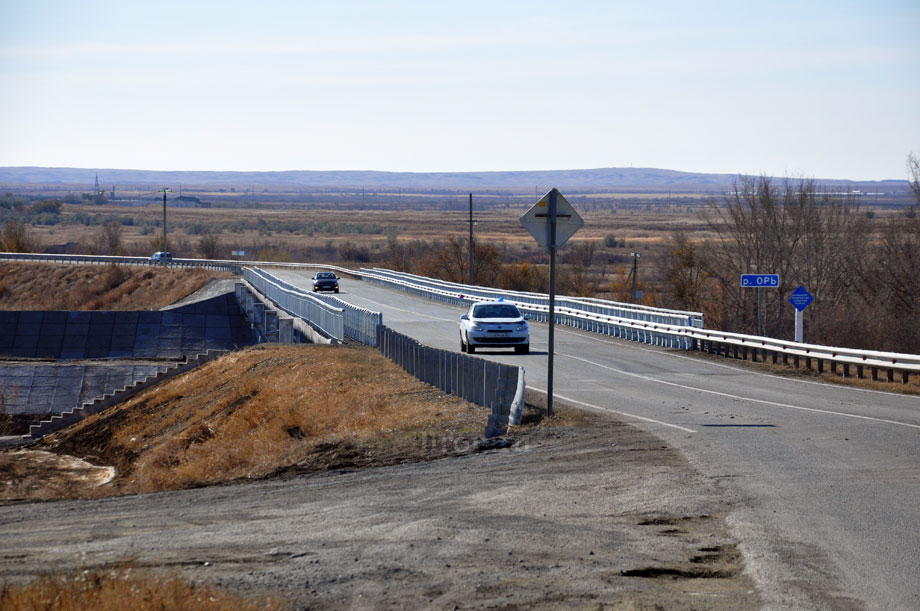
(209,245)
(15,237)
(806,235)
(687,282)
(109,239)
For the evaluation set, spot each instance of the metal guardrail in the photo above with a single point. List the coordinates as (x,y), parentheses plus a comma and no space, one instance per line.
(638,323)
(494,385)
(652,329)
(570,314)
(594,306)
(359,324)
(486,383)
(231,265)
(740,346)
(327,318)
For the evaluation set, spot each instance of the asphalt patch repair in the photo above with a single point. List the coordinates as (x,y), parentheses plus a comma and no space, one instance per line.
(398,503)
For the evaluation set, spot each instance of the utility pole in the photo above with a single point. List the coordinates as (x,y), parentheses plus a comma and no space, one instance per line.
(635,257)
(472,278)
(165,249)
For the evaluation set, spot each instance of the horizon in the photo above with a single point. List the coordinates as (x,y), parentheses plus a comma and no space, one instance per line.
(449,172)
(418,88)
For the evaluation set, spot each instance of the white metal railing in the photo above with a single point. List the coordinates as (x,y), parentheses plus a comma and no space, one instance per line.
(325,317)
(568,311)
(221,264)
(572,312)
(847,356)
(231,266)
(596,306)
(359,324)
(672,328)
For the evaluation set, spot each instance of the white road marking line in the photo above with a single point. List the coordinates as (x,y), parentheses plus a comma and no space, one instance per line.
(613,411)
(739,397)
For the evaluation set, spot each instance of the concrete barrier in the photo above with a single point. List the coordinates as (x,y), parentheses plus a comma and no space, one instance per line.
(89,355)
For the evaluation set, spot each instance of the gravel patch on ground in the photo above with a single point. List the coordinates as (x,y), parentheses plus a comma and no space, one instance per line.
(593,513)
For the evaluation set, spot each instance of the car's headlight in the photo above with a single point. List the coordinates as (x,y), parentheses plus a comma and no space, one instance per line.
(520,326)
(477,327)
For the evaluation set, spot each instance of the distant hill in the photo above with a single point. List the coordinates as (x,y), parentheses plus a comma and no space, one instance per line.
(601,178)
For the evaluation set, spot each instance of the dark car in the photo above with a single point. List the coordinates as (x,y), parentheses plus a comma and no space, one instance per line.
(325,281)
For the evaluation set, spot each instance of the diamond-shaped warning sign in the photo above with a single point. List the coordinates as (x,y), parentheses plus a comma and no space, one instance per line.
(538,220)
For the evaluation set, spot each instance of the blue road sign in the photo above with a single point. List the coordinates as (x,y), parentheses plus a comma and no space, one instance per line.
(760,280)
(801,298)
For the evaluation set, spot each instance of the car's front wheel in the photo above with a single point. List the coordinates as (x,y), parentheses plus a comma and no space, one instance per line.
(525,349)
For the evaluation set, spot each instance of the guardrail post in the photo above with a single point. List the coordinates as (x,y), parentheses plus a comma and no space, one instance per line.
(846,370)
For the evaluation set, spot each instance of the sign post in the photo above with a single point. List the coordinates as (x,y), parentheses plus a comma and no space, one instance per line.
(551,221)
(800,299)
(759,281)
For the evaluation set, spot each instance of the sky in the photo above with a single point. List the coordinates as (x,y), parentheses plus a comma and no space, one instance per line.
(823,89)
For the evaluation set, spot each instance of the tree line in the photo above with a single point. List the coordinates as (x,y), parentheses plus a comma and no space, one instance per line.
(862,271)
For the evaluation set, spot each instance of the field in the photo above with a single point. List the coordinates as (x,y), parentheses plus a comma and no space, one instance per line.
(679,242)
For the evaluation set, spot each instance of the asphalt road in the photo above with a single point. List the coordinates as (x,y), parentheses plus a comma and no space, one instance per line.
(829,475)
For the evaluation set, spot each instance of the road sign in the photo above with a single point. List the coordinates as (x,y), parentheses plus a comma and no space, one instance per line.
(760,280)
(551,221)
(801,298)
(537,220)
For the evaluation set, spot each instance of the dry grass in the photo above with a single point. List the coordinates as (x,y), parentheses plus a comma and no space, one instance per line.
(259,411)
(123,589)
(40,286)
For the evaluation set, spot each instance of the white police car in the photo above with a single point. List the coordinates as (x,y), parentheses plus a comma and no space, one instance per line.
(494,324)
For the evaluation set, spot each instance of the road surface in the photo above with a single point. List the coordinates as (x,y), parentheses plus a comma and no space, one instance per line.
(829,475)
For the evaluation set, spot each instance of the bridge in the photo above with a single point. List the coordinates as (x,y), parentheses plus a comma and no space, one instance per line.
(823,480)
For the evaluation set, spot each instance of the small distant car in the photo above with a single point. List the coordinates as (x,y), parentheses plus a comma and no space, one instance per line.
(494,324)
(325,281)
(161,257)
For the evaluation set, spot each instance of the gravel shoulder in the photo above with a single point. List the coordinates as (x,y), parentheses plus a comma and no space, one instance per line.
(594,512)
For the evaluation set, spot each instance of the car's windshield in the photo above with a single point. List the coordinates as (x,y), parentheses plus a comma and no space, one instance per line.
(496,310)
(325,276)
